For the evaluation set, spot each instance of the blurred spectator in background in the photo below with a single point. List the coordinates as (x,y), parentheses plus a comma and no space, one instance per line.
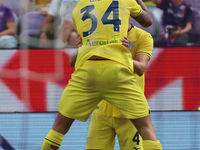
(59,20)
(33,5)
(7,28)
(177,21)
(37,5)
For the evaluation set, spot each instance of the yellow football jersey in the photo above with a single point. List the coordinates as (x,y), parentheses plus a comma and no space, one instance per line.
(141,42)
(102,24)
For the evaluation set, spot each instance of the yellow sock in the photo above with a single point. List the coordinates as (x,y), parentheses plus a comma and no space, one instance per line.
(53,138)
(152,145)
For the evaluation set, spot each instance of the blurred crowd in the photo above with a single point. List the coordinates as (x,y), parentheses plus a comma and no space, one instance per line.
(48,24)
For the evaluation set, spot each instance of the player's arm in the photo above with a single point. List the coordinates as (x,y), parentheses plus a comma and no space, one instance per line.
(141,60)
(144,19)
(140,64)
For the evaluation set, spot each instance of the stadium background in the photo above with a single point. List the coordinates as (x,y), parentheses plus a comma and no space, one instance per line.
(32,81)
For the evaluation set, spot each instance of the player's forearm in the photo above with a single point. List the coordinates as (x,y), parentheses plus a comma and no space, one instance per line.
(139,68)
(144,19)
(140,63)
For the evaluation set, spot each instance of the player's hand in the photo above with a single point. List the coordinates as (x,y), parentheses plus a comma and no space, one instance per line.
(125,42)
(79,41)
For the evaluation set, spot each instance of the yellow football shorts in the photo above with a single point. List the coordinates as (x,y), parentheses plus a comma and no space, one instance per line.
(102,132)
(102,79)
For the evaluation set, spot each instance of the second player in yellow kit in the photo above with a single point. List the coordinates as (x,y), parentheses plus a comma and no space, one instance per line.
(106,120)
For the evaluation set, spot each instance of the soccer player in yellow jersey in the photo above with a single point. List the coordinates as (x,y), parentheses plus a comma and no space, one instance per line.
(106,120)
(104,70)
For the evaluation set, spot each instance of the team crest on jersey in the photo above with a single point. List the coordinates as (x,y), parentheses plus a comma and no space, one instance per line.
(131,44)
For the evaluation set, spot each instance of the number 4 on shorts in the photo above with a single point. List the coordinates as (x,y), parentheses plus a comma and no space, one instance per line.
(136,138)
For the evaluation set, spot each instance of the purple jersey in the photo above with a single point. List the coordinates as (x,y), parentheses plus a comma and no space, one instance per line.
(176,15)
(6,15)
